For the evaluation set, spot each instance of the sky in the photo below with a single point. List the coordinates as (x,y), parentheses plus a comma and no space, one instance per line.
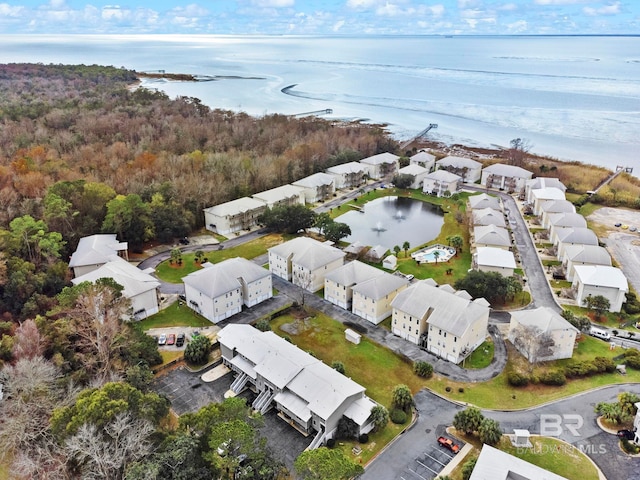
(321,17)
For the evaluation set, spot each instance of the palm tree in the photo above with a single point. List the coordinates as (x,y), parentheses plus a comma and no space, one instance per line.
(406,246)
(436,255)
(397,249)
(456,241)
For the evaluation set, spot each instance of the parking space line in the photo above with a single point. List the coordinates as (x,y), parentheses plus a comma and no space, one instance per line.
(430,469)
(417,474)
(434,459)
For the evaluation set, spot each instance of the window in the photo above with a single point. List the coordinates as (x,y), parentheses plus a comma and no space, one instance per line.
(439,332)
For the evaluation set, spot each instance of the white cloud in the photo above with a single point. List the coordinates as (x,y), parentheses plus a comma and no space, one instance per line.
(508,7)
(57,3)
(559,2)
(611,9)
(517,27)
(272,3)
(338,25)
(363,3)
(464,4)
(7,10)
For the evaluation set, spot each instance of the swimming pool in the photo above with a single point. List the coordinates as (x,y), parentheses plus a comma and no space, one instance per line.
(429,255)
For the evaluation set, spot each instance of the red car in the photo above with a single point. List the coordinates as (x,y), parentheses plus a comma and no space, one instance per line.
(171,339)
(448,443)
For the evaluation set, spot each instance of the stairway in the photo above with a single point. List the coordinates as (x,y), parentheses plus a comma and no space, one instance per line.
(239,383)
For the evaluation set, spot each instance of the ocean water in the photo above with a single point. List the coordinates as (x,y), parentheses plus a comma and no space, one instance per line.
(573,98)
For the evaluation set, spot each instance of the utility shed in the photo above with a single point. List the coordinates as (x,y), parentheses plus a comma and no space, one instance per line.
(353,337)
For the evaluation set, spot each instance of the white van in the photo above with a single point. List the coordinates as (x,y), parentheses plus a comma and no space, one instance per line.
(599,333)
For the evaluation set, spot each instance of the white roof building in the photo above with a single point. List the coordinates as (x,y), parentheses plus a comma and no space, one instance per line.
(505,177)
(140,287)
(441,181)
(317,187)
(488,216)
(424,159)
(557,337)
(490,259)
(494,464)
(491,236)
(233,216)
(468,169)
(348,175)
(552,207)
(417,172)
(541,194)
(542,182)
(448,323)
(305,261)
(338,283)
(566,236)
(381,165)
(593,280)
(305,391)
(94,251)
(563,219)
(281,196)
(583,255)
(478,202)
(219,290)
(372,298)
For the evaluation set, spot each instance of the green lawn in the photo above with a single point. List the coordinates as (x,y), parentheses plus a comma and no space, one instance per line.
(174,273)
(481,356)
(610,319)
(554,455)
(175,316)
(369,364)
(379,370)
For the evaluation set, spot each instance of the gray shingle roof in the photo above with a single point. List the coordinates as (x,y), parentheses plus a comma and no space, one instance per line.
(491,235)
(235,207)
(353,272)
(544,318)
(453,313)
(443,176)
(567,219)
(350,167)
(459,162)
(545,182)
(557,206)
(508,171)
(380,158)
(307,252)
(488,216)
(484,201)
(316,180)
(579,235)
(593,254)
(96,249)
(134,280)
(380,286)
(220,278)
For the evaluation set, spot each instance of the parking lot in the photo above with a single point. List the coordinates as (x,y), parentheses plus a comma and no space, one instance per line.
(188,331)
(428,465)
(189,393)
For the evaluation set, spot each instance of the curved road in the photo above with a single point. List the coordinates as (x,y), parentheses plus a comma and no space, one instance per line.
(436,413)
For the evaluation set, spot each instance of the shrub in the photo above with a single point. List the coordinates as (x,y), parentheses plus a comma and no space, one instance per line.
(197,350)
(447,389)
(580,369)
(398,416)
(604,364)
(460,390)
(423,369)
(516,379)
(633,361)
(629,447)
(263,325)
(554,377)
(331,443)
(338,366)
(467,468)
(363,438)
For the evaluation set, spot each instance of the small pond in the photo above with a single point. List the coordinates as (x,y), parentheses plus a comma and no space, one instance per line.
(391,221)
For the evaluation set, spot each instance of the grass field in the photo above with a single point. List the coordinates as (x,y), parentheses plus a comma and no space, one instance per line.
(549,453)
(481,357)
(174,273)
(175,316)
(379,370)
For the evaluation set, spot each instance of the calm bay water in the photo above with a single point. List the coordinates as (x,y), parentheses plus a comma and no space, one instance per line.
(574,98)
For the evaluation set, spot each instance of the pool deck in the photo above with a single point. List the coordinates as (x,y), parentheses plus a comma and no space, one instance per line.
(420,254)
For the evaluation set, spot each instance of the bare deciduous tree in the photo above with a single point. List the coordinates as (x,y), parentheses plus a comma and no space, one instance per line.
(518,152)
(106,453)
(533,343)
(32,390)
(28,343)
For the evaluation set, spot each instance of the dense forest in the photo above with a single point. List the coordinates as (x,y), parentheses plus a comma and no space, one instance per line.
(83,151)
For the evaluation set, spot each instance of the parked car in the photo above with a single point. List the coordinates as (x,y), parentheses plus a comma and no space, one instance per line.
(180,340)
(162,339)
(448,444)
(633,229)
(171,339)
(628,434)
(182,297)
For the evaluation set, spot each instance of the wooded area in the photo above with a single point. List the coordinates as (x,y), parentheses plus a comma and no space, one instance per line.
(84,152)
